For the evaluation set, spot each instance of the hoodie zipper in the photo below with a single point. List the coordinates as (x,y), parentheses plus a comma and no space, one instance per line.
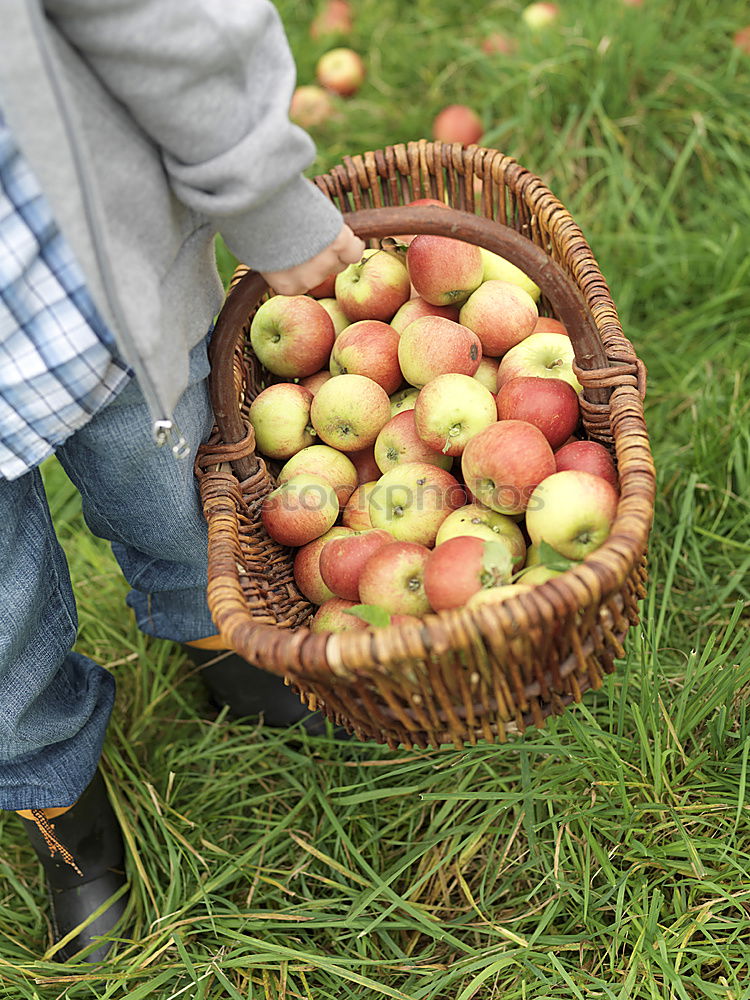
(164,429)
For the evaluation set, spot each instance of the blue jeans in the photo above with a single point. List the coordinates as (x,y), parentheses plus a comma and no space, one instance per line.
(54,703)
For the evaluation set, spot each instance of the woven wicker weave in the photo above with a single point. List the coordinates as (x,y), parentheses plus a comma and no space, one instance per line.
(460,676)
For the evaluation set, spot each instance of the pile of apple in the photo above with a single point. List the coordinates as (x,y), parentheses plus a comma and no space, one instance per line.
(423,424)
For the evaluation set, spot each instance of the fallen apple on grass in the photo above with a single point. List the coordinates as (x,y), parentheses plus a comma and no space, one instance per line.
(572,511)
(458,123)
(393,578)
(292,335)
(461,566)
(310,106)
(280,418)
(334,18)
(549,404)
(349,411)
(450,410)
(538,16)
(341,70)
(375,287)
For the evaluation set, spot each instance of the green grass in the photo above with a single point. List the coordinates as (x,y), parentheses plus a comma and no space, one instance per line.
(606,856)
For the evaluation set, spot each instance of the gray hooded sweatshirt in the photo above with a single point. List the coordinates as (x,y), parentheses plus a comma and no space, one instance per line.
(151,125)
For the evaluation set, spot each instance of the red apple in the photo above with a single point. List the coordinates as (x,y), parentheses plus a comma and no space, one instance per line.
(374,288)
(412,501)
(342,560)
(307,566)
(365,464)
(310,106)
(349,411)
(463,565)
(486,373)
(341,70)
(433,346)
(418,307)
(540,15)
(368,347)
(547,324)
(326,463)
(741,40)
(481,522)
(356,514)
(334,18)
(419,201)
(292,335)
(332,617)
(503,464)
(399,442)
(444,271)
(450,410)
(458,123)
(501,315)
(280,418)
(572,511)
(303,508)
(587,456)
(325,290)
(393,579)
(313,382)
(545,355)
(499,44)
(548,403)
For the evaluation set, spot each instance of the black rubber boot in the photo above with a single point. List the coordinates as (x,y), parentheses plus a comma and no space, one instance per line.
(249,692)
(85,873)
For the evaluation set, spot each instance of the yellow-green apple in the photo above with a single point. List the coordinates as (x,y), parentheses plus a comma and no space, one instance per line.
(538,574)
(500,314)
(393,578)
(356,513)
(313,382)
(416,308)
(332,616)
(547,324)
(338,317)
(497,268)
(349,411)
(303,508)
(340,70)
(588,456)
(292,335)
(375,287)
(280,418)
(412,501)
(433,346)
(548,403)
(325,290)
(572,511)
(495,595)
(545,355)
(399,443)
(365,464)
(458,123)
(481,522)
(327,463)
(342,560)
(486,373)
(450,410)
(368,347)
(404,399)
(504,463)
(444,271)
(460,567)
(310,106)
(540,15)
(334,18)
(307,566)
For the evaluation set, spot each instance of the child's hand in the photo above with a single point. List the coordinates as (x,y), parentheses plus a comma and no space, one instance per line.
(345,249)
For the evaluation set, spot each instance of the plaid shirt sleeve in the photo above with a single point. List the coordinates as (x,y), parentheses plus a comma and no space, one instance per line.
(58,359)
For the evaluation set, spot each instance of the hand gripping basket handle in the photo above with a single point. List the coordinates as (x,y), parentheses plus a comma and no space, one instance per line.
(557,287)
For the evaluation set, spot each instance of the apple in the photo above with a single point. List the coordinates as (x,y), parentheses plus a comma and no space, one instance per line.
(340,70)
(399,442)
(338,317)
(406,239)
(292,335)
(548,403)
(486,373)
(326,463)
(433,346)
(325,290)
(587,456)
(335,18)
(741,39)
(301,509)
(313,382)
(458,123)
(540,15)
(374,288)
(418,307)
(404,399)
(547,324)
(310,106)
(412,501)
(480,522)
(546,355)
(538,574)
(349,411)
(497,268)
(365,464)
(460,567)
(497,43)
(368,347)
(332,616)
(504,463)
(342,560)
(393,578)
(280,418)
(572,511)
(495,595)
(307,566)
(356,513)
(450,410)
(501,315)
(444,271)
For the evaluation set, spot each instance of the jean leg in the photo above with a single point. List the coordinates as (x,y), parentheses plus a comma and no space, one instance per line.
(54,704)
(146,502)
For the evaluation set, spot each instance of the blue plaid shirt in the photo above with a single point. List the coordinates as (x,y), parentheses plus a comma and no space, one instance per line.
(58,359)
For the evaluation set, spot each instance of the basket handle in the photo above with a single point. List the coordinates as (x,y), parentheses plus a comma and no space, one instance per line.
(559,289)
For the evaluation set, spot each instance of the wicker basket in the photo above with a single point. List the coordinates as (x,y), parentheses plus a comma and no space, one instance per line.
(460,676)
